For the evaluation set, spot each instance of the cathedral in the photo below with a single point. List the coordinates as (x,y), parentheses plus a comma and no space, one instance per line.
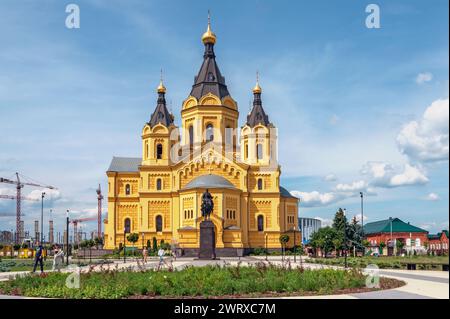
(158,195)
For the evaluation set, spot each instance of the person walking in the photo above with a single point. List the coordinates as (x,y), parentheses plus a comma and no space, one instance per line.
(161,254)
(144,254)
(38,258)
(58,259)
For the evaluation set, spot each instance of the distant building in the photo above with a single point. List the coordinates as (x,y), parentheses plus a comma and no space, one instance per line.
(392,230)
(308,226)
(6,237)
(438,243)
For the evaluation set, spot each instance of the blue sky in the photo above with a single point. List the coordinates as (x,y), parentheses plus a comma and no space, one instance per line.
(357,109)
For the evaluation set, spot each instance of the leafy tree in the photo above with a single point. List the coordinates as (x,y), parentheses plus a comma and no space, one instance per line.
(337,244)
(283,240)
(148,244)
(16,247)
(133,238)
(323,239)
(155,244)
(98,241)
(399,244)
(24,246)
(382,245)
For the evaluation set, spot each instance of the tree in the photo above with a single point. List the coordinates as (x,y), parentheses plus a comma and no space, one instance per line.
(98,241)
(148,244)
(133,238)
(355,235)
(337,244)
(399,245)
(323,239)
(155,244)
(382,245)
(283,240)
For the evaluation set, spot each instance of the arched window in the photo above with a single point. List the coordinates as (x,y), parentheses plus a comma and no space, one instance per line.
(127,225)
(159,151)
(159,224)
(209,133)
(146,149)
(191,135)
(127,189)
(260,184)
(246,151)
(158,184)
(259,151)
(260,223)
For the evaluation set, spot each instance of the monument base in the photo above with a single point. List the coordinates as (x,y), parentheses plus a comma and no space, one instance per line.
(207,240)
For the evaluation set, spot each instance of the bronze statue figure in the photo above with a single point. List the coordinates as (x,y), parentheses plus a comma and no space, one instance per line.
(207,205)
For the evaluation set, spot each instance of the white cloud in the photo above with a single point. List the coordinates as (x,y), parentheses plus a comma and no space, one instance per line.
(50,194)
(325,221)
(424,77)
(386,175)
(356,186)
(428,139)
(315,199)
(330,178)
(432,197)
(410,176)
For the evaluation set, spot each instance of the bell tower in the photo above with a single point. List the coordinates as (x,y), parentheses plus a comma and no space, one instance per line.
(209,115)
(156,142)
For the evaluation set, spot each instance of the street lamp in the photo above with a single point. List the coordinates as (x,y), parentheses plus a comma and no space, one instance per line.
(67,237)
(265,244)
(345,240)
(143,240)
(295,255)
(124,250)
(362,213)
(42,217)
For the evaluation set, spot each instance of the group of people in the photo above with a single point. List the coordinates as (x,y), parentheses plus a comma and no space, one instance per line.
(58,258)
(161,254)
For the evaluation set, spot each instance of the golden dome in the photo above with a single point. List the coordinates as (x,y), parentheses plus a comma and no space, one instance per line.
(257,88)
(161,88)
(209,36)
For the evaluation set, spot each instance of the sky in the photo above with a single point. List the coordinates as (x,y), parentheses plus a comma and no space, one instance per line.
(357,109)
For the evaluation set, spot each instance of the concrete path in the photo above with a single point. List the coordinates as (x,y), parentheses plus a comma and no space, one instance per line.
(420,284)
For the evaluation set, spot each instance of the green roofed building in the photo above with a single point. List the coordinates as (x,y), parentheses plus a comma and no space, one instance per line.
(394,235)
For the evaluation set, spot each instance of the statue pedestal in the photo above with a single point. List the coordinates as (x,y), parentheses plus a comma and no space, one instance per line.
(207,240)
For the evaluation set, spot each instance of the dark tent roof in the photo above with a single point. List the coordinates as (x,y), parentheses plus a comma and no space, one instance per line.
(209,79)
(161,114)
(257,114)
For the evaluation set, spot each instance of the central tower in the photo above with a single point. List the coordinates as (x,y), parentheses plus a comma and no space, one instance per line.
(209,114)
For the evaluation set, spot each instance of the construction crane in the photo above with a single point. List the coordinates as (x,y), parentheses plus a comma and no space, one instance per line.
(99,212)
(19,186)
(75,226)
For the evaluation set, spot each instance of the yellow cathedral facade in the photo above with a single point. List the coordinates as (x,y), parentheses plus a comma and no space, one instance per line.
(158,195)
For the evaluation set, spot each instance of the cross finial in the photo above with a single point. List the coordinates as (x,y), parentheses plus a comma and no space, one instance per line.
(257,76)
(209,18)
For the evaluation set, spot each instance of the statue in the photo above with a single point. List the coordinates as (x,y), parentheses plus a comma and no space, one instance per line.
(207,205)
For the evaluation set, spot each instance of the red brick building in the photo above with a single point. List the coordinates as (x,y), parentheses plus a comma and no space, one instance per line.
(438,243)
(384,236)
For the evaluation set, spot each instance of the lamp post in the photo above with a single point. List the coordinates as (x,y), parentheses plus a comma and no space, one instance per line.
(362,212)
(345,240)
(67,237)
(265,244)
(42,217)
(295,254)
(143,240)
(124,250)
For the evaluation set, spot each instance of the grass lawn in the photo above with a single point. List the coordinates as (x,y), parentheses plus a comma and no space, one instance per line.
(208,281)
(7,265)
(395,262)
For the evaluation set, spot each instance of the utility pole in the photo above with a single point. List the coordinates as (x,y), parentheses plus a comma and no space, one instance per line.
(42,217)
(67,238)
(99,212)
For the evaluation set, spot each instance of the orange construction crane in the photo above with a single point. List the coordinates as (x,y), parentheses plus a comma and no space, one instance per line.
(75,226)
(18,197)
